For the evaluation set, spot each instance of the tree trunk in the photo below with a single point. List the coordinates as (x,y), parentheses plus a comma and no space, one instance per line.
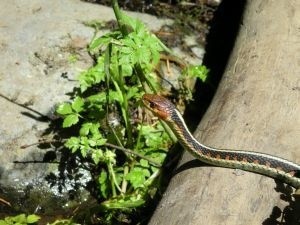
(256,108)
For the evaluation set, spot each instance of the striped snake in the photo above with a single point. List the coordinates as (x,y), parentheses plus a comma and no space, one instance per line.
(275,167)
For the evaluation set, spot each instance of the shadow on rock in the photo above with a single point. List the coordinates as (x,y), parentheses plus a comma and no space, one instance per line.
(289,215)
(48,180)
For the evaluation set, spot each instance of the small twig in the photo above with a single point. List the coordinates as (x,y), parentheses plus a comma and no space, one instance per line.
(124,181)
(129,151)
(174,59)
(5,202)
(168,66)
(41,141)
(114,180)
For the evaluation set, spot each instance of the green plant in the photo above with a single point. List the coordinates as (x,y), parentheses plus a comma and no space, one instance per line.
(20,219)
(105,111)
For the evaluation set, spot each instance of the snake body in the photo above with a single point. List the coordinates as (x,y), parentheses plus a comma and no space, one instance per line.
(272,166)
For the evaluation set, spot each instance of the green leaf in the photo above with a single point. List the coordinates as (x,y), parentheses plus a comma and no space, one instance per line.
(90,128)
(116,96)
(137,176)
(98,42)
(127,70)
(92,76)
(102,177)
(85,129)
(200,72)
(97,156)
(64,109)
(77,104)
(124,203)
(151,77)
(129,43)
(103,181)
(85,147)
(143,55)
(33,218)
(133,92)
(104,40)
(154,137)
(119,176)
(94,129)
(84,151)
(19,219)
(73,143)
(70,120)
(144,163)
(101,142)
(128,21)
(99,99)
(92,142)
(110,157)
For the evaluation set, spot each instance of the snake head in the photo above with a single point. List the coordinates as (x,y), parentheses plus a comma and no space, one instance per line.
(160,106)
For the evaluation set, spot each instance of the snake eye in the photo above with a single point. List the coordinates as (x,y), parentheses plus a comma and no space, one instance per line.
(151,105)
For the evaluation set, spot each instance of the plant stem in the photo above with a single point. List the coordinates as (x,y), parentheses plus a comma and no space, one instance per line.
(113,181)
(125,109)
(118,15)
(124,181)
(133,153)
(169,131)
(150,180)
(124,31)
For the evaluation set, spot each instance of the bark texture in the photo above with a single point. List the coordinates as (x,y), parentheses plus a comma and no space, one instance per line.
(256,108)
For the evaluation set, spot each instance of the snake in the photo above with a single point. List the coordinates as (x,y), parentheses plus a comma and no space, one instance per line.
(268,165)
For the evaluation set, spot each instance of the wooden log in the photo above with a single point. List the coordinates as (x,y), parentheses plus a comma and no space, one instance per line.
(256,108)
